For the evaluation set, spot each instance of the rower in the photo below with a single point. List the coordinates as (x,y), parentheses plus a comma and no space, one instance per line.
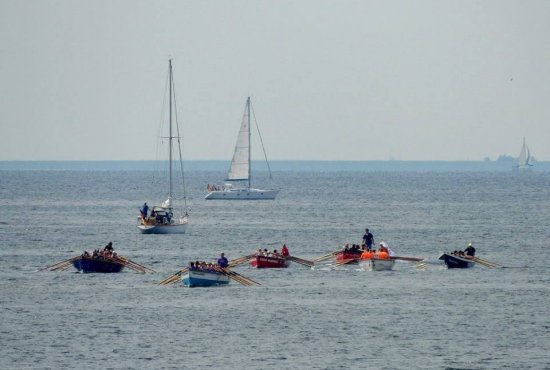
(222,261)
(382,252)
(470,251)
(367,254)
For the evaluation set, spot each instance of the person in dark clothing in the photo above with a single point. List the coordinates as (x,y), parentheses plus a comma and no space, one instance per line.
(222,261)
(368,239)
(470,250)
(109,247)
(144,210)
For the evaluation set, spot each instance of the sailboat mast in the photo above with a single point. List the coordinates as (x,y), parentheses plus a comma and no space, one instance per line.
(249,151)
(170,134)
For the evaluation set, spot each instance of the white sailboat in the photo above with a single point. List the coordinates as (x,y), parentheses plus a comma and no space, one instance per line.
(240,169)
(161,220)
(525,160)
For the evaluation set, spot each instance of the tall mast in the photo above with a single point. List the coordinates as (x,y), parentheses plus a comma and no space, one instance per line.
(248,108)
(170,134)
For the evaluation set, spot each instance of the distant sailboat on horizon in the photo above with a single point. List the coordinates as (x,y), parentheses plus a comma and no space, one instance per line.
(240,168)
(525,159)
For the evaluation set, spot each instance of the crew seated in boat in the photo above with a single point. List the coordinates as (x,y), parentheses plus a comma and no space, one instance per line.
(382,252)
(353,249)
(367,254)
(86,254)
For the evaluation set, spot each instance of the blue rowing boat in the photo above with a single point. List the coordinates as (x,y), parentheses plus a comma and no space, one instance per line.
(97,264)
(204,278)
(456,262)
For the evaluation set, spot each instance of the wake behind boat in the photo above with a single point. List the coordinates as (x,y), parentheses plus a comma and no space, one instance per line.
(162,219)
(240,169)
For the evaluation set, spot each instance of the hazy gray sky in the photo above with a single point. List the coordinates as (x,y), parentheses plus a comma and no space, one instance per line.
(335,80)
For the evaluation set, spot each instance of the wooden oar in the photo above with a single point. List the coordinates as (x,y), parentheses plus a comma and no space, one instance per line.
(174,278)
(487,263)
(326,256)
(239,278)
(300,261)
(481,262)
(410,259)
(240,260)
(135,265)
(61,264)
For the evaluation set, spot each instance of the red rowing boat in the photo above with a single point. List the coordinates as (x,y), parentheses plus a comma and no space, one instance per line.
(269,262)
(347,255)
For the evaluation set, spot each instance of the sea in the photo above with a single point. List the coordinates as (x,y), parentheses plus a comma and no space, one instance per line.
(418,316)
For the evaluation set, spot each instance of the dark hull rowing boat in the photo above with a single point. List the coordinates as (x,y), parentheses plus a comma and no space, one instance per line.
(456,262)
(269,262)
(91,264)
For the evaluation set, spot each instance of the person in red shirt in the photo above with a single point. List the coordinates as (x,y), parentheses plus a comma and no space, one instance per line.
(284,251)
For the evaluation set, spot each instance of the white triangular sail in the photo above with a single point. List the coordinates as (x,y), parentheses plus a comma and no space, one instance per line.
(240,164)
(524,159)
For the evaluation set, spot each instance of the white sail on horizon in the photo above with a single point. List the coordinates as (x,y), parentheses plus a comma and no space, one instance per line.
(240,163)
(524,159)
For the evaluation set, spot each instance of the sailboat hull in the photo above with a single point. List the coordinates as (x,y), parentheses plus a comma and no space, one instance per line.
(242,194)
(175,228)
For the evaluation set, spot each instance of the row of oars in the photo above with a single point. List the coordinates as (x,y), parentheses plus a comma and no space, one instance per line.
(239,278)
(64,265)
(132,265)
(300,261)
(176,277)
(487,264)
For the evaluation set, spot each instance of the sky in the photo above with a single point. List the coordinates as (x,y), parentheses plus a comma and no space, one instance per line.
(329,80)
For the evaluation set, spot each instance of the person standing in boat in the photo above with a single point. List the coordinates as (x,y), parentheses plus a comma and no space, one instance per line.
(470,251)
(109,247)
(368,239)
(222,261)
(144,210)
(284,251)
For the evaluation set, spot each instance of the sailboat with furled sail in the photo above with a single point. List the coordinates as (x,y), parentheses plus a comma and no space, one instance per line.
(525,160)
(240,168)
(162,220)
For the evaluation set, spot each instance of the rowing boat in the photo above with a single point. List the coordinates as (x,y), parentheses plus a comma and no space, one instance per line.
(204,278)
(377,264)
(269,262)
(348,255)
(98,264)
(454,262)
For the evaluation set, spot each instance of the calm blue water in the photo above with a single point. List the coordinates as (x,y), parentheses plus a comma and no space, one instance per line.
(428,318)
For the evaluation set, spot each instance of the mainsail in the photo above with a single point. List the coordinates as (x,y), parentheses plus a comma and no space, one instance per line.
(240,164)
(524,159)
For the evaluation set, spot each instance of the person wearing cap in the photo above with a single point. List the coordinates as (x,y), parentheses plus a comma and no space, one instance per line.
(470,250)
(368,239)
